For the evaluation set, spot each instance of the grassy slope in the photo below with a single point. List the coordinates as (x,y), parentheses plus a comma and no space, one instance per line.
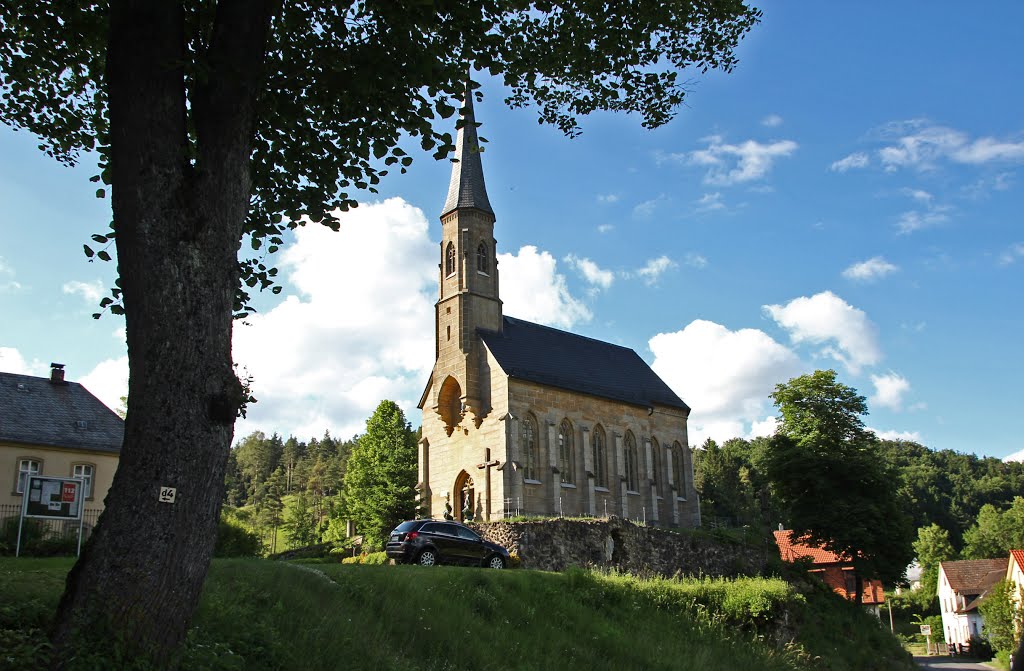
(258,614)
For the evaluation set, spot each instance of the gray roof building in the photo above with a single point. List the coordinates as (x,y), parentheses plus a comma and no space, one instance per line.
(55,413)
(544,355)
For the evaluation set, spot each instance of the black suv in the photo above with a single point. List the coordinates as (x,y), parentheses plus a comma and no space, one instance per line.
(429,542)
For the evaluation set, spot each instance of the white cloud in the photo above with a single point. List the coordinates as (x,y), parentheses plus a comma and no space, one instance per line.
(772,120)
(916,220)
(591,272)
(726,376)
(607,198)
(710,202)
(913,436)
(360,329)
(1013,253)
(889,390)
(7,281)
(826,319)
(1016,456)
(922,146)
(605,228)
(870,270)
(91,292)
(695,260)
(108,381)
(532,289)
(12,361)
(647,208)
(730,164)
(855,160)
(654,269)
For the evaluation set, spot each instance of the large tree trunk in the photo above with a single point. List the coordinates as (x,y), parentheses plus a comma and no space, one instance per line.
(178,220)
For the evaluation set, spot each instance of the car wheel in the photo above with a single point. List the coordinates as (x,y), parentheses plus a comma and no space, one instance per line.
(427,558)
(496,561)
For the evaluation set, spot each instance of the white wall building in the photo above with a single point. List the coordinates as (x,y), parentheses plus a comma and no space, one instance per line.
(962,585)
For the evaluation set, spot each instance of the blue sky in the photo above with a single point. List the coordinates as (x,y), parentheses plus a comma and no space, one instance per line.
(849,198)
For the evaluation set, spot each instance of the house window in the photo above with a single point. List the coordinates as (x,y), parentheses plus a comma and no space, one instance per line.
(679,468)
(632,476)
(449,260)
(85,472)
(566,454)
(528,444)
(655,466)
(600,454)
(481,258)
(26,467)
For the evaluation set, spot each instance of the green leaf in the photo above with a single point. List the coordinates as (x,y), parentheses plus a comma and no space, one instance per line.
(101,193)
(88,251)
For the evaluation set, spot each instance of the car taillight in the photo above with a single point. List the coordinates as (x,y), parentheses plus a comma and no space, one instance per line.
(411,535)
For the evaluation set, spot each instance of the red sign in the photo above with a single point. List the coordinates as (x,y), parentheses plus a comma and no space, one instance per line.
(68,492)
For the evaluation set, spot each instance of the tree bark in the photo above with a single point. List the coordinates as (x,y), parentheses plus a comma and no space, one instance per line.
(179,210)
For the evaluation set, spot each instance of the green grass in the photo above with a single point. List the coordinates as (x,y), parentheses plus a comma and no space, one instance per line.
(259,614)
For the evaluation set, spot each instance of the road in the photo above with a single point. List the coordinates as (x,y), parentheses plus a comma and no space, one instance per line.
(943,663)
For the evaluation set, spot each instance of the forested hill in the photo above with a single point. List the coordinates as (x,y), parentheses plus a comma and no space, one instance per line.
(940,486)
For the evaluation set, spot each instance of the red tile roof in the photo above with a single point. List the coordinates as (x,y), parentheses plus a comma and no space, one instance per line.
(832,569)
(1018,556)
(973,576)
(791,550)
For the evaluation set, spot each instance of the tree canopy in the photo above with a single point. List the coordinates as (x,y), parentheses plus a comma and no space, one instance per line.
(826,470)
(224,120)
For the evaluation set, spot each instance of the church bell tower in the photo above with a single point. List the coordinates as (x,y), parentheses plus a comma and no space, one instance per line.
(468,286)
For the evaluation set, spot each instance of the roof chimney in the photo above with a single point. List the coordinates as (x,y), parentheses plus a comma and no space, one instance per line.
(57,373)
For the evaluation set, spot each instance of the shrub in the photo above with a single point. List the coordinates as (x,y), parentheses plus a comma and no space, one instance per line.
(235,540)
(370,558)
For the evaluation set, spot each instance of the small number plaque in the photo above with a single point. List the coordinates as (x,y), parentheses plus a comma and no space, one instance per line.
(167,494)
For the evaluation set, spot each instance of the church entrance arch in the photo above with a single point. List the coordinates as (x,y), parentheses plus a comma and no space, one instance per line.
(465,497)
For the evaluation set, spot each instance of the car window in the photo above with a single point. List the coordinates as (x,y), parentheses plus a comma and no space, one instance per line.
(406,526)
(433,528)
(449,529)
(468,534)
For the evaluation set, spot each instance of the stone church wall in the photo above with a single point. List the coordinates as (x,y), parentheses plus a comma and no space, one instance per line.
(555,545)
(663,505)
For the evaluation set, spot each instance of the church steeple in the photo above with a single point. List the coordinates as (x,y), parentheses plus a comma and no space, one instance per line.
(467,301)
(466,188)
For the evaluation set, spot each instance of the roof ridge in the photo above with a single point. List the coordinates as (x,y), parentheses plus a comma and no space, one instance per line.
(570,333)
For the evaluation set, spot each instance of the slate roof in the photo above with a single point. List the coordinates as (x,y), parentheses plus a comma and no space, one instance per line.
(974,576)
(35,411)
(547,356)
(466,188)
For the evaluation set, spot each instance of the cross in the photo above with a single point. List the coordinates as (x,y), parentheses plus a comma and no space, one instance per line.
(486,466)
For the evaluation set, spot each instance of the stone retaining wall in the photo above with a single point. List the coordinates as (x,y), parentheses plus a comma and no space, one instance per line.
(615,543)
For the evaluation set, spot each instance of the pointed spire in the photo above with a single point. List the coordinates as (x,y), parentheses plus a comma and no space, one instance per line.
(467,186)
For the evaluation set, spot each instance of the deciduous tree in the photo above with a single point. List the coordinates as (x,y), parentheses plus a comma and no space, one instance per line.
(229,120)
(826,469)
(380,483)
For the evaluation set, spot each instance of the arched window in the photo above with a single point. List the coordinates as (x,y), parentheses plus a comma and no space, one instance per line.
(656,466)
(566,454)
(632,463)
(600,453)
(481,258)
(528,444)
(449,260)
(679,469)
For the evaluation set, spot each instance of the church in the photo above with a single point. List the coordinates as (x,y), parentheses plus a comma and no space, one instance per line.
(523,419)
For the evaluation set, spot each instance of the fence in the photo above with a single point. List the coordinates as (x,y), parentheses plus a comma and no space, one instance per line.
(42,536)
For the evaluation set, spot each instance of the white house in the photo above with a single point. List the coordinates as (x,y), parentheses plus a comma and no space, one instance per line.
(962,585)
